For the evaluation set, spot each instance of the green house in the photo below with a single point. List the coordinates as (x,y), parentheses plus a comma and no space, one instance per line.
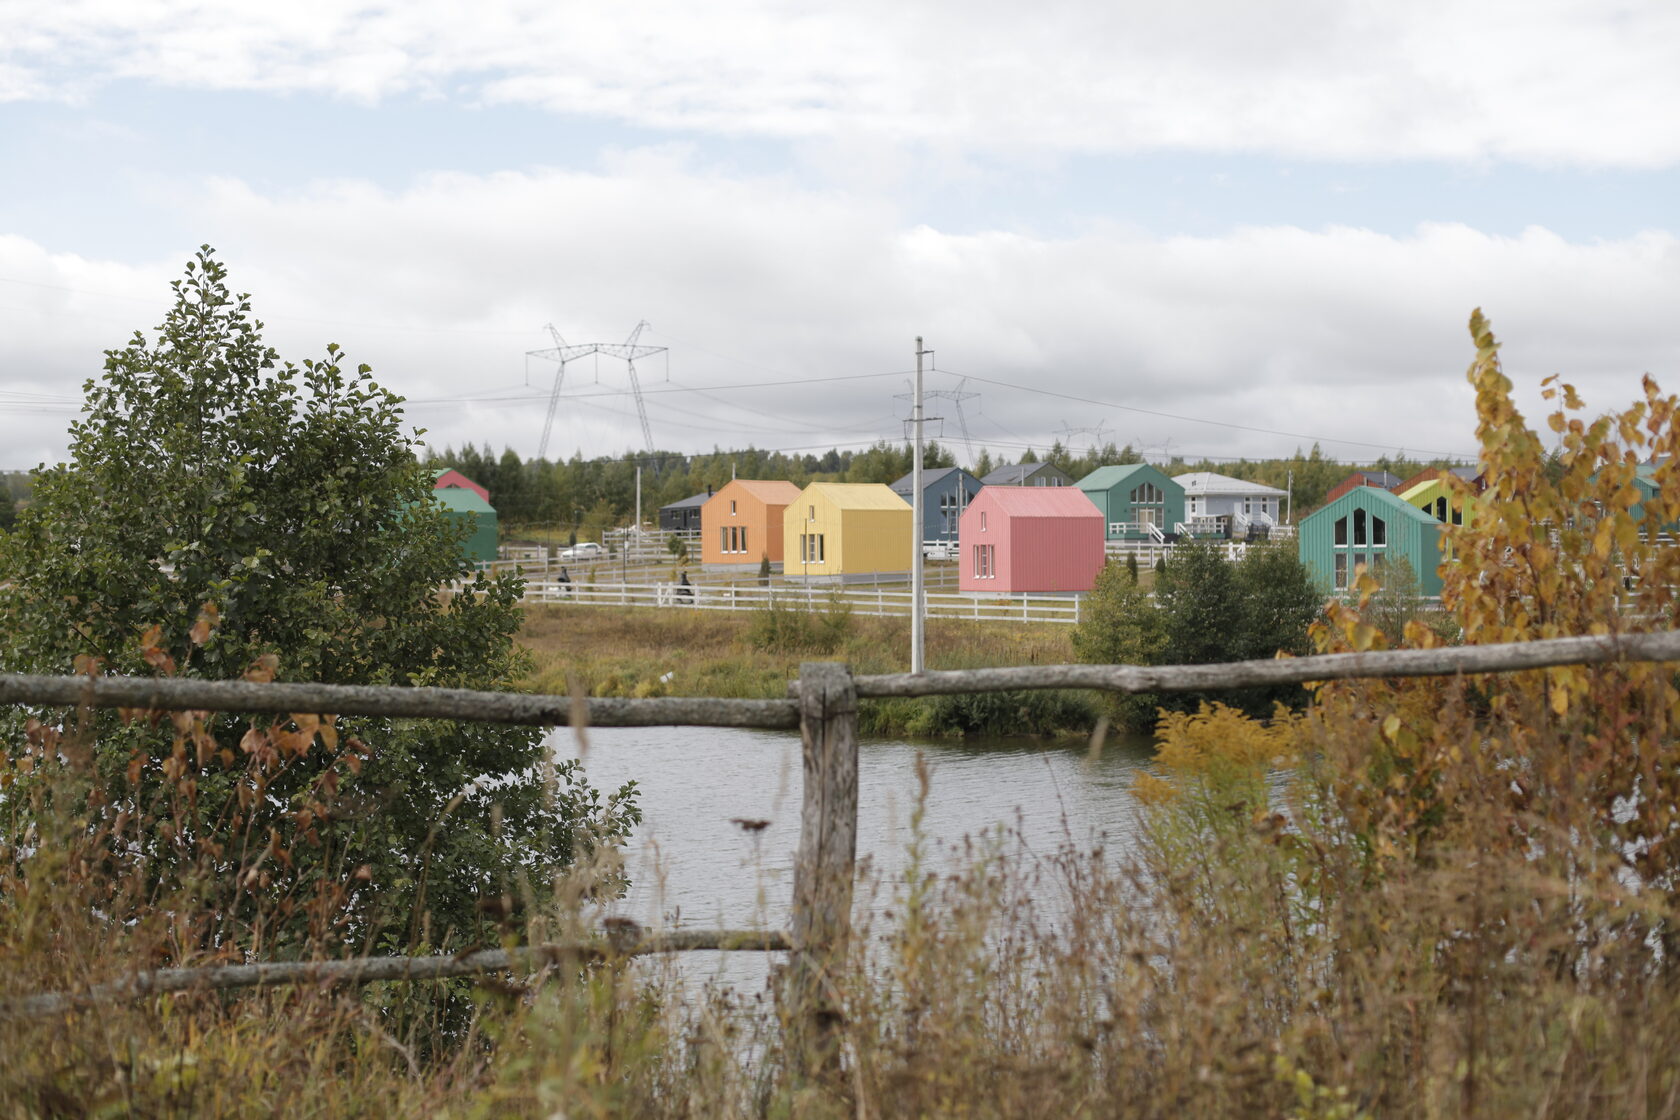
(1138,502)
(1371,527)
(467,508)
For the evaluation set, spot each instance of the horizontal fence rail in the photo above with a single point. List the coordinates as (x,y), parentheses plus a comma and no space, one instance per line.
(1493,658)
(373,970)
(666,711)
(531,710)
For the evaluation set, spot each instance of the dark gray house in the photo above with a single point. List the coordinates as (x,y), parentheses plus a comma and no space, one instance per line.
(1028,474)
(683,516)
(946,492)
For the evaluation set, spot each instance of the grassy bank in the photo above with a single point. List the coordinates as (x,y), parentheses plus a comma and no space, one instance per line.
(618,651)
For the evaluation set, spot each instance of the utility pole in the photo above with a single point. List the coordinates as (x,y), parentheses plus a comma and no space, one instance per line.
(918,591)
(1290,516)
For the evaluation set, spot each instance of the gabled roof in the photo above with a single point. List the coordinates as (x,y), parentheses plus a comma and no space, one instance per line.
(1107,478)
(929,477)
(461,500)
(449,476)
(1013,474)
(1205,483)
(770,491)
(858,495)
(693,501)
(1372,496)
(1040,501)
(1388,480)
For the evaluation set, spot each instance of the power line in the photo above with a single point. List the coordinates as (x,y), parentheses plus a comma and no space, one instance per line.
(1186,419)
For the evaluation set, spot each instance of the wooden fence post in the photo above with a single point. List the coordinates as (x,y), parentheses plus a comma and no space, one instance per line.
(822,875)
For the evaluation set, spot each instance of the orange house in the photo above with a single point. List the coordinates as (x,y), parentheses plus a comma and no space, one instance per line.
(742,523)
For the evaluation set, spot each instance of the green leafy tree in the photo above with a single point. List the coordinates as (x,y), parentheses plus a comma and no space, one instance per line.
(1120,625)
(1204,610)
(226,513)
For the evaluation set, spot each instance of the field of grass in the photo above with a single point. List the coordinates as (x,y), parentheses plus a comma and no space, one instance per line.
(638,652)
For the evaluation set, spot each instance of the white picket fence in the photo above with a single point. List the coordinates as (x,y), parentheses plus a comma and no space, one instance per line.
(877,600)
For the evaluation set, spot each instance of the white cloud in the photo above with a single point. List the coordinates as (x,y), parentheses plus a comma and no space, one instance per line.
(1540,81)
(1340,333)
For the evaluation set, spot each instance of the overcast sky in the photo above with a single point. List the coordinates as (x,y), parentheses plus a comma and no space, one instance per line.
(1267,221)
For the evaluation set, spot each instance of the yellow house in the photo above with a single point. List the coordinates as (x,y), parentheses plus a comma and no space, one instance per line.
(844,529)
(1438,499)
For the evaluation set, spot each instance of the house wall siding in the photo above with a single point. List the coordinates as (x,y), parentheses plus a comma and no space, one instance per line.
(856,541)
(1041,542)
(759,516)
(1410,534)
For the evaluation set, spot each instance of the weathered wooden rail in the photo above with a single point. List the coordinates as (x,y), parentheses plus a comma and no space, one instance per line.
(823,705)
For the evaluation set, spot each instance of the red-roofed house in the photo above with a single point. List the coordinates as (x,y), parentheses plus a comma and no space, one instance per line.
(1016,539)
(453,478)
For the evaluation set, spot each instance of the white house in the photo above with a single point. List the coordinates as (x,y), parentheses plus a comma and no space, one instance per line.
(1209,497)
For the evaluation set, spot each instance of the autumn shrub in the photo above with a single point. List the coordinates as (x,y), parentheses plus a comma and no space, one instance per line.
(787,627)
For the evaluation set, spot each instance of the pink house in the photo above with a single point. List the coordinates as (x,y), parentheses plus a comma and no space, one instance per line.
(1017,539)
(453,478)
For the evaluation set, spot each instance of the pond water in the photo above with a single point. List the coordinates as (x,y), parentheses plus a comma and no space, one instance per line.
(691,865)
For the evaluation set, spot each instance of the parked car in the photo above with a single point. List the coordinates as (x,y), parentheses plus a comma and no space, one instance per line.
(583,550)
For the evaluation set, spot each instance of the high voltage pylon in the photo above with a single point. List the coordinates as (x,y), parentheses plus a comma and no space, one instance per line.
(957,396)
(563,352)
(1096,434)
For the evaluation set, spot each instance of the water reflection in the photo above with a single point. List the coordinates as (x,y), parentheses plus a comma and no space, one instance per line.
(691,865)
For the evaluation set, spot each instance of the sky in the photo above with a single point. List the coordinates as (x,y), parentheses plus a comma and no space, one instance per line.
(1212,228)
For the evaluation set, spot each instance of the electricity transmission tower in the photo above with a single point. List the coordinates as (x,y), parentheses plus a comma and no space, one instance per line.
(957,396)
(562,352)
(1095,433)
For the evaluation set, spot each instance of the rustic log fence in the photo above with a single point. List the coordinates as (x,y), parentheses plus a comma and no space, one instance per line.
(823,705)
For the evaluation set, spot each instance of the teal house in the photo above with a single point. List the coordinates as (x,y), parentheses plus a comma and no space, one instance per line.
(1137,501)
(463,507)
(1371,527)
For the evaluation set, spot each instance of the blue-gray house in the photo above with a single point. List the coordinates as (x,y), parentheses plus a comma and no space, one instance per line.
(946,492)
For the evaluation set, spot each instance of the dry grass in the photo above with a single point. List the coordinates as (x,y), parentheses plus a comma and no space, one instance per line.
(629,651)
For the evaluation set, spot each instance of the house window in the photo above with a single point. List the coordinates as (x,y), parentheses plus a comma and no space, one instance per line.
(1369,545)
(982,521)
(732,507)
(985,561)
(743,538)
(723,538)
(810,548)
(950,509)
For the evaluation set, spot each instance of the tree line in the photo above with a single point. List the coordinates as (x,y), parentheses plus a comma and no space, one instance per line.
(593,494)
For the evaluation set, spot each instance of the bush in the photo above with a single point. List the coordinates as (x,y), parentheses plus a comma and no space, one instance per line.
(784,627)
(225,514)
(1203,610)
(1027,712)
